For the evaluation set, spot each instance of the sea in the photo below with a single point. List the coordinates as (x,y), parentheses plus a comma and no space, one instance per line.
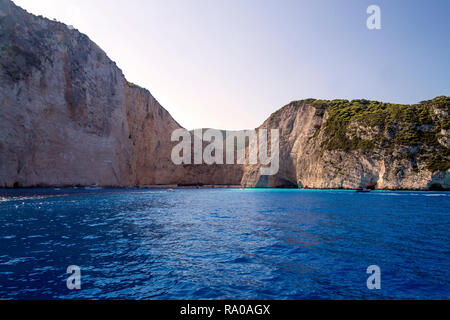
(198,244)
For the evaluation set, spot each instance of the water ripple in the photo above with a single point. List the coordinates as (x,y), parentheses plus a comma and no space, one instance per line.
(223,244)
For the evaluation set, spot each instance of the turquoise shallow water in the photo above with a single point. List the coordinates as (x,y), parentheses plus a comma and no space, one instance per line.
(224,244)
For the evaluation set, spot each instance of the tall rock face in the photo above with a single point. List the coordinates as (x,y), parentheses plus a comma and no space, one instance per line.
(360,143)
(67,113)
(69,117)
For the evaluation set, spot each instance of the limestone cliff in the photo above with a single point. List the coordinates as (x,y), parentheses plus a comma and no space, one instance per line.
(360,143)
(69,117)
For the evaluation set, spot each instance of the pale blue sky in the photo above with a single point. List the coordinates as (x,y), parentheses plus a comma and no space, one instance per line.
(229,64)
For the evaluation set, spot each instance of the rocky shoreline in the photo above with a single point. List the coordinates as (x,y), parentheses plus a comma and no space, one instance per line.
(214,186)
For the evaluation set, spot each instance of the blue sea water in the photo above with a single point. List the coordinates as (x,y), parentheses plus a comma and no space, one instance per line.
(224,244)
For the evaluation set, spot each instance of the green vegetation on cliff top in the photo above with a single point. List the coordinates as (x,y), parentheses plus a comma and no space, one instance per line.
(370,126)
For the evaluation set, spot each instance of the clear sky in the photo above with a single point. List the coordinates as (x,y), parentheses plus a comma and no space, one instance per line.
(229,64)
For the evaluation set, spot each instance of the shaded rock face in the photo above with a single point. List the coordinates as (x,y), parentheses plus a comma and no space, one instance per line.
(69,117)
(61,100)
(306,163)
